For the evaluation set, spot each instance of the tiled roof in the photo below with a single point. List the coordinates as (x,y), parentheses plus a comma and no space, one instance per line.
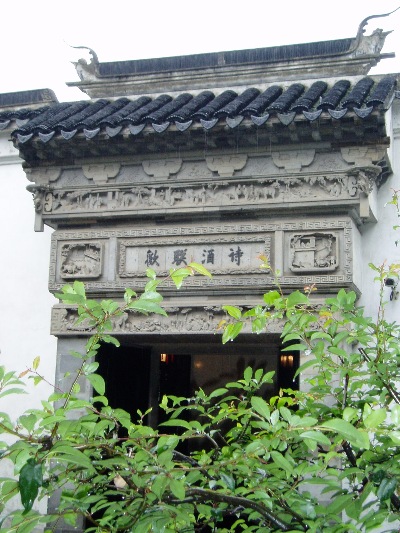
(207,109)
(14,106)
(236,57)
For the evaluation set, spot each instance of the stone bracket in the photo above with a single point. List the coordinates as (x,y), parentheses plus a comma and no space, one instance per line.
(293,160)
(362,156)
(101,173)
(43,176)
(226,166)
(162,168)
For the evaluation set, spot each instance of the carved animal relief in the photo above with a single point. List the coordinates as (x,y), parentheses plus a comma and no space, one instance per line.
(81,260)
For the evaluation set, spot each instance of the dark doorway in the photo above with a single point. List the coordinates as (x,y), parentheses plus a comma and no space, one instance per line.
(138,376)
(126,371)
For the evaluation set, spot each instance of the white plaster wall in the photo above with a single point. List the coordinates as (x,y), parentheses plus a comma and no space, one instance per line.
(25,302)
(378,240)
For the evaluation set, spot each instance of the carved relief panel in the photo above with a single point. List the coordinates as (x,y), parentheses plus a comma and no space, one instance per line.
(305,251)
(252,193)
(180,320)
(313,252)
(81,260)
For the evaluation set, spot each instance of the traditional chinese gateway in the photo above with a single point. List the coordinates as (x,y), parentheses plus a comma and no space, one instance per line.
(215,158)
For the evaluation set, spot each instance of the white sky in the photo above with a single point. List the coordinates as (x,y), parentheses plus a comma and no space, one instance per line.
(35,35)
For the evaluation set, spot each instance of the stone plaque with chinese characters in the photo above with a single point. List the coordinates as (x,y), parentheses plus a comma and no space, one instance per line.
(217,257)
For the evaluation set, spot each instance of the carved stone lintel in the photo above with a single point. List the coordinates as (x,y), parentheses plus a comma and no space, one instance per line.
(189,320)
(362,156)
(293,160)
(163,168)
(43,176)
(101,173)
(227,165)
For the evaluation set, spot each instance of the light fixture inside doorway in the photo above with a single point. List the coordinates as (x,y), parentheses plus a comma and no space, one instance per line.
(166,358)
(286,361)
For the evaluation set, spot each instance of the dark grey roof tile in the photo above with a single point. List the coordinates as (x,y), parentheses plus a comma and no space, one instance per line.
(79,115)
(188,110)
(332,98)
(112,116)
(259,104)
(138,116)
(381,91)
(234,107)
(129,107)
(208,111)
(164,112)
(358,93)
(286,99)
(310,97)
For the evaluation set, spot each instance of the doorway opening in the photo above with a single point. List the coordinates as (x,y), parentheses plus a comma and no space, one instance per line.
(138,376)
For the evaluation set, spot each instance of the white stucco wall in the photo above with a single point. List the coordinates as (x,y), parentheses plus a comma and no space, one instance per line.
(378,240)
(25,302)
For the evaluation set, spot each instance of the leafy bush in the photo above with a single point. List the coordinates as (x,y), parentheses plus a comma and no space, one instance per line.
(325,458)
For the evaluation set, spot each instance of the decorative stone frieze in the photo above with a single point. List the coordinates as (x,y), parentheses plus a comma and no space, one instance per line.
(227,165)
(293,160)
(180,320)
(305,251)
(101,173)
(174,198)
(163,168)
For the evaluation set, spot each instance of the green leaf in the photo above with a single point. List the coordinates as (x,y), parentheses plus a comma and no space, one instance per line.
(375,419)
(316,436)
(79,288)
(36,363)
(150,273)
(200,269)
(231,331)
(348,432)
(65,452)
(271,297)
(234,312)
(386,488)
(282,462)
(147,306)
(152,295)
(261,407)
(229,481)
(297,298)
(177,422)
(97,383)
(320,335)
(30,479)
(177,487)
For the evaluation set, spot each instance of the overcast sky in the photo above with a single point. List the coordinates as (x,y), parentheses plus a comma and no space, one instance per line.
(36,35)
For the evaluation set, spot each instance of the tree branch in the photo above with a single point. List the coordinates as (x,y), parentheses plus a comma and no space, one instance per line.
(205,494)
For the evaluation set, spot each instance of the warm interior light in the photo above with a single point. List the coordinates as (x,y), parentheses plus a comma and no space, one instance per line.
(287,361)
(166,358)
